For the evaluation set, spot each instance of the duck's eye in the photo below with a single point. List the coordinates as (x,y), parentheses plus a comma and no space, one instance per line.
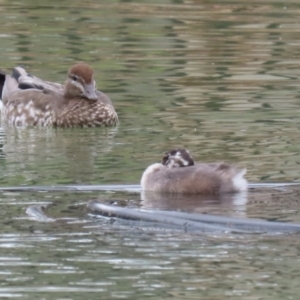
(74,77)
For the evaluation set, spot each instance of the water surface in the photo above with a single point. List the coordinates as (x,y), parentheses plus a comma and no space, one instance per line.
(220,79)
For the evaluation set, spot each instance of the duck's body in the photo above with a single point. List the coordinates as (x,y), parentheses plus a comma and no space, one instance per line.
(30,101)
(178,174)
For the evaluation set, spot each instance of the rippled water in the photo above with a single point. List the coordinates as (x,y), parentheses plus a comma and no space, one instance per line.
(220,79)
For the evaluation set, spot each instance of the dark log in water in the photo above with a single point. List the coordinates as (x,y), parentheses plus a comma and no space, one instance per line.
(193,222)
(157,219)
(160,219)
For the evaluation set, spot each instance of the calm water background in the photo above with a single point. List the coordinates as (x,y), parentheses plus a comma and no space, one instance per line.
(220,78)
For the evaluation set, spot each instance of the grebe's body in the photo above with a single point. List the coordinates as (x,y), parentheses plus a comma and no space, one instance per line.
(179,174)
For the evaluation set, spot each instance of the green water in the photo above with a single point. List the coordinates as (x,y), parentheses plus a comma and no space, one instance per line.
(219,78)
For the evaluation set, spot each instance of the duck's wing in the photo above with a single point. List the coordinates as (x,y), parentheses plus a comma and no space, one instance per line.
(21,80)
(28,81)
(2,81)
(9,86)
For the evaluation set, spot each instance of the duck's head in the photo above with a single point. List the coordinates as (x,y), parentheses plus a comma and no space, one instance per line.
(178,158)
(80,82)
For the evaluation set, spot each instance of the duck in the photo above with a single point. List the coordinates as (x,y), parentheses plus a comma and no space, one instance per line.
(27,100)
(178,173)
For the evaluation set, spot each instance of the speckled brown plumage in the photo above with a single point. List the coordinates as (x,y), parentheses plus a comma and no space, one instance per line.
(43,103)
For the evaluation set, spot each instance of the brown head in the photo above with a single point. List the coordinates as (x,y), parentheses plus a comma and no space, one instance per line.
(80,82)
(178,158)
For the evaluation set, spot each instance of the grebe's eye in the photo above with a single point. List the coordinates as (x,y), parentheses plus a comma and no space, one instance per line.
(74,77)
(165,159)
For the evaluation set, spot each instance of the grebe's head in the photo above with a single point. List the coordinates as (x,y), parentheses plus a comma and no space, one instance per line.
(178,158)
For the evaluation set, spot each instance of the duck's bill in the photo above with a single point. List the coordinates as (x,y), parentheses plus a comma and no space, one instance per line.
(90,91)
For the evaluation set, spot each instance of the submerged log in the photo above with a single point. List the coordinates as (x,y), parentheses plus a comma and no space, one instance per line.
(193,222)
(161,219)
